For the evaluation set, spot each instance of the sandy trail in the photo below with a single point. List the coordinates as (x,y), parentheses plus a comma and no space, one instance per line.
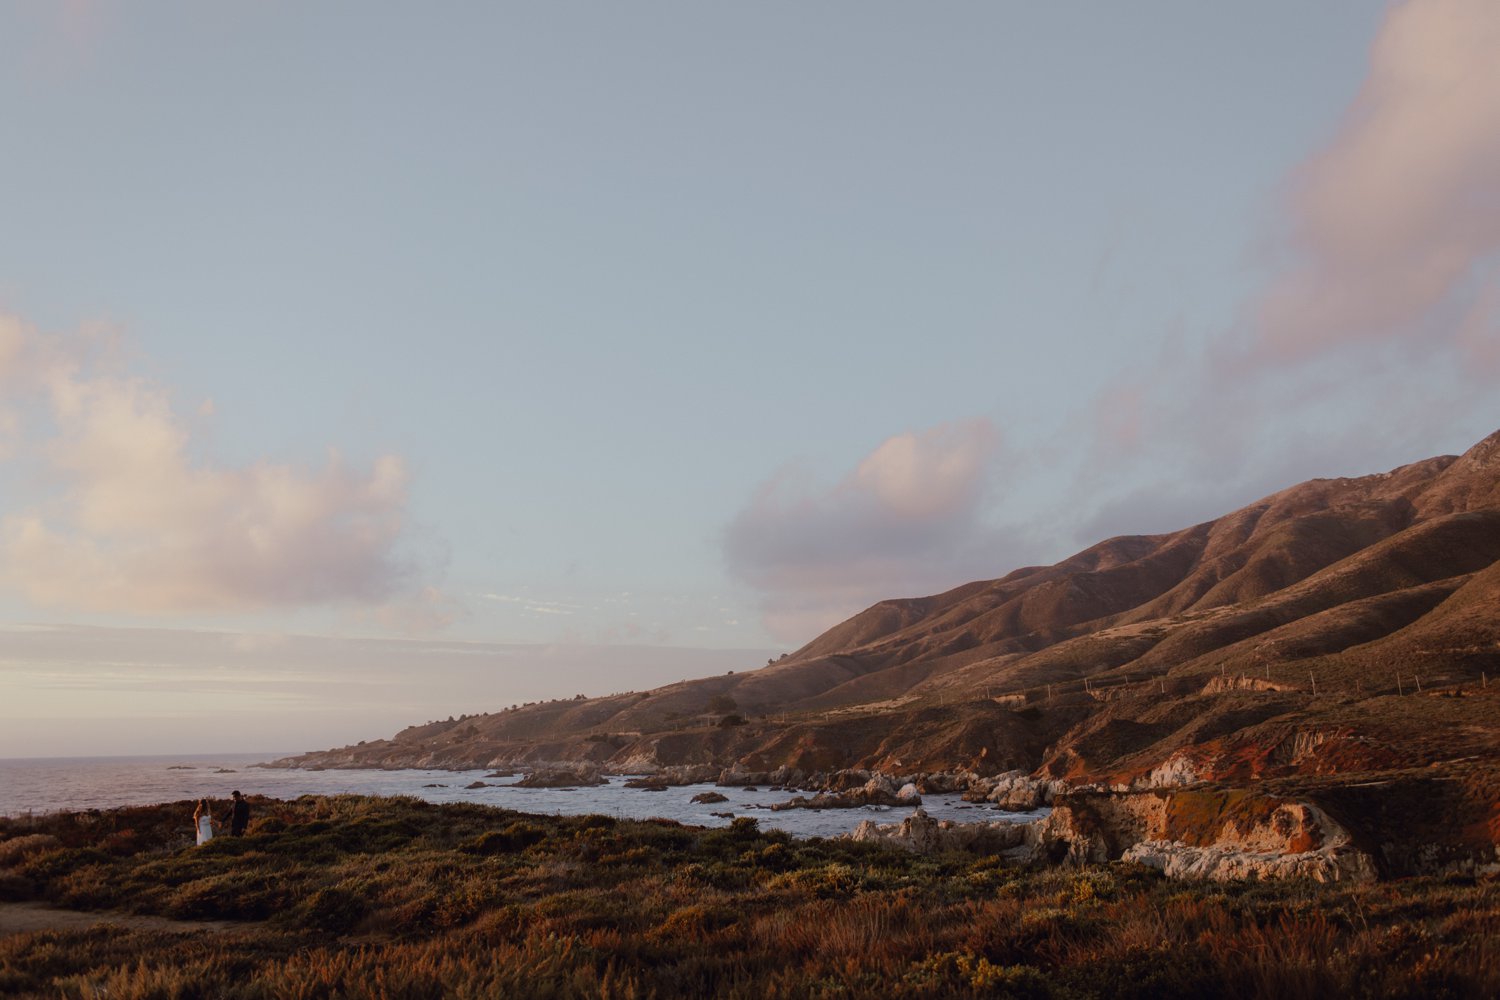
(20,918)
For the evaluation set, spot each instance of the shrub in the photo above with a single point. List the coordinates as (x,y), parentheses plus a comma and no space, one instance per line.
(15,888)
(227,896)
(714,873)
(516,836)
(692,923)
(830,881)
(961,972)
(333,909)
(19,848)
(49,866)
(90,888)
(121,842)
(597,822)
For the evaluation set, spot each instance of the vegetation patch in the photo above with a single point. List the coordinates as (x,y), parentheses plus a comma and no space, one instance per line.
(356,897)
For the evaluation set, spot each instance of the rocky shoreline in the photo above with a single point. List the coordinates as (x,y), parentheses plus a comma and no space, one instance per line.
(1191,830)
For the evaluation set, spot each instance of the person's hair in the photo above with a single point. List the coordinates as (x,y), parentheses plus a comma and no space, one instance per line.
(202,803)
(235,793)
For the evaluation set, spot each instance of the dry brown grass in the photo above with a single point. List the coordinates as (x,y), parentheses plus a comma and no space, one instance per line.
(351,897)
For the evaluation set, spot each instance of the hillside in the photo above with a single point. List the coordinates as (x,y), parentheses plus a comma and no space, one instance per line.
(1340,626)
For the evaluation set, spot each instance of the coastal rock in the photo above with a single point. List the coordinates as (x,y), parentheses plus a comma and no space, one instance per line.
(873,794)
(739,777)
(1202,833)
(918,832)
(708,798)
(571,778)
(945,782)
(922,834)
(1015,790)
(1226,864)
(684,774)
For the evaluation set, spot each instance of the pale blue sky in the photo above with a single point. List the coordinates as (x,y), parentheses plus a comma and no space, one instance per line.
(596,274)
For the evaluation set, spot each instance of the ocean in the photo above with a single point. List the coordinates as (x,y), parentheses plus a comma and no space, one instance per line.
(75,784)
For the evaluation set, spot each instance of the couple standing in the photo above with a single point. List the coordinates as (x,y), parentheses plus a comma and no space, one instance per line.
(238,817)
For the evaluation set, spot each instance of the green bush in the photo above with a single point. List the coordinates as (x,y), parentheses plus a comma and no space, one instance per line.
(18,848)
(334,910)
(514,837)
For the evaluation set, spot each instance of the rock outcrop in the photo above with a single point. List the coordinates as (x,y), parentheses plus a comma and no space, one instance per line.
(923,834)
(1015,790)
(1204,833)
(563,778)
(1224,864)
(876,792)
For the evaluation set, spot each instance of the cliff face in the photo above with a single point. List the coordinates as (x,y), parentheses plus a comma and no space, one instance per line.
(1331,833)
(1340,627)
(1211,834)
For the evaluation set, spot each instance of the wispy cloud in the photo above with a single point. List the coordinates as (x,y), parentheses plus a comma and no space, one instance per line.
(136,522)
(1375,337)
(1395,224)
(907,519)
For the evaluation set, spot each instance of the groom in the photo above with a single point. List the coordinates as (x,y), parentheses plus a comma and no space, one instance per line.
(239,814)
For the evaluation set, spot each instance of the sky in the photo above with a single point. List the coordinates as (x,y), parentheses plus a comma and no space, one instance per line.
(367,363)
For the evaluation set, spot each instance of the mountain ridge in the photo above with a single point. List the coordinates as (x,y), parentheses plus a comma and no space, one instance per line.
(1343,626)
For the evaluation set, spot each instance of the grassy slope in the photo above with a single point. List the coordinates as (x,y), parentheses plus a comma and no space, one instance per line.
(356,897)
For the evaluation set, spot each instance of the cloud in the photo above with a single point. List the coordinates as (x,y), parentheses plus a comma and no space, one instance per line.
(136,523)
(1376,337)
(907,519)
(1394,227)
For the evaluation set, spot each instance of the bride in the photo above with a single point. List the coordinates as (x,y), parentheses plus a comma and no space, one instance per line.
(203,822)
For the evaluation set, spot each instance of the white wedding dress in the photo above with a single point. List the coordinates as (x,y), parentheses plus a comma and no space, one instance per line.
(205,830)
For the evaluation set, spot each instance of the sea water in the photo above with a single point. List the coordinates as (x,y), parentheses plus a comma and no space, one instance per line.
(74,784)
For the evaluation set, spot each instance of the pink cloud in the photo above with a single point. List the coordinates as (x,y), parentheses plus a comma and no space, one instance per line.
(1479,332)
(1395,225)
(135,524)
(1380,334)
(905,520)
(1120,416)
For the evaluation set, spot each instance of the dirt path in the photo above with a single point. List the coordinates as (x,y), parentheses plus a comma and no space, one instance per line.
(19,918)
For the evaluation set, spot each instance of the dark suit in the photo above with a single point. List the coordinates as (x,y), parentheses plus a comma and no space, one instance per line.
(239,817)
